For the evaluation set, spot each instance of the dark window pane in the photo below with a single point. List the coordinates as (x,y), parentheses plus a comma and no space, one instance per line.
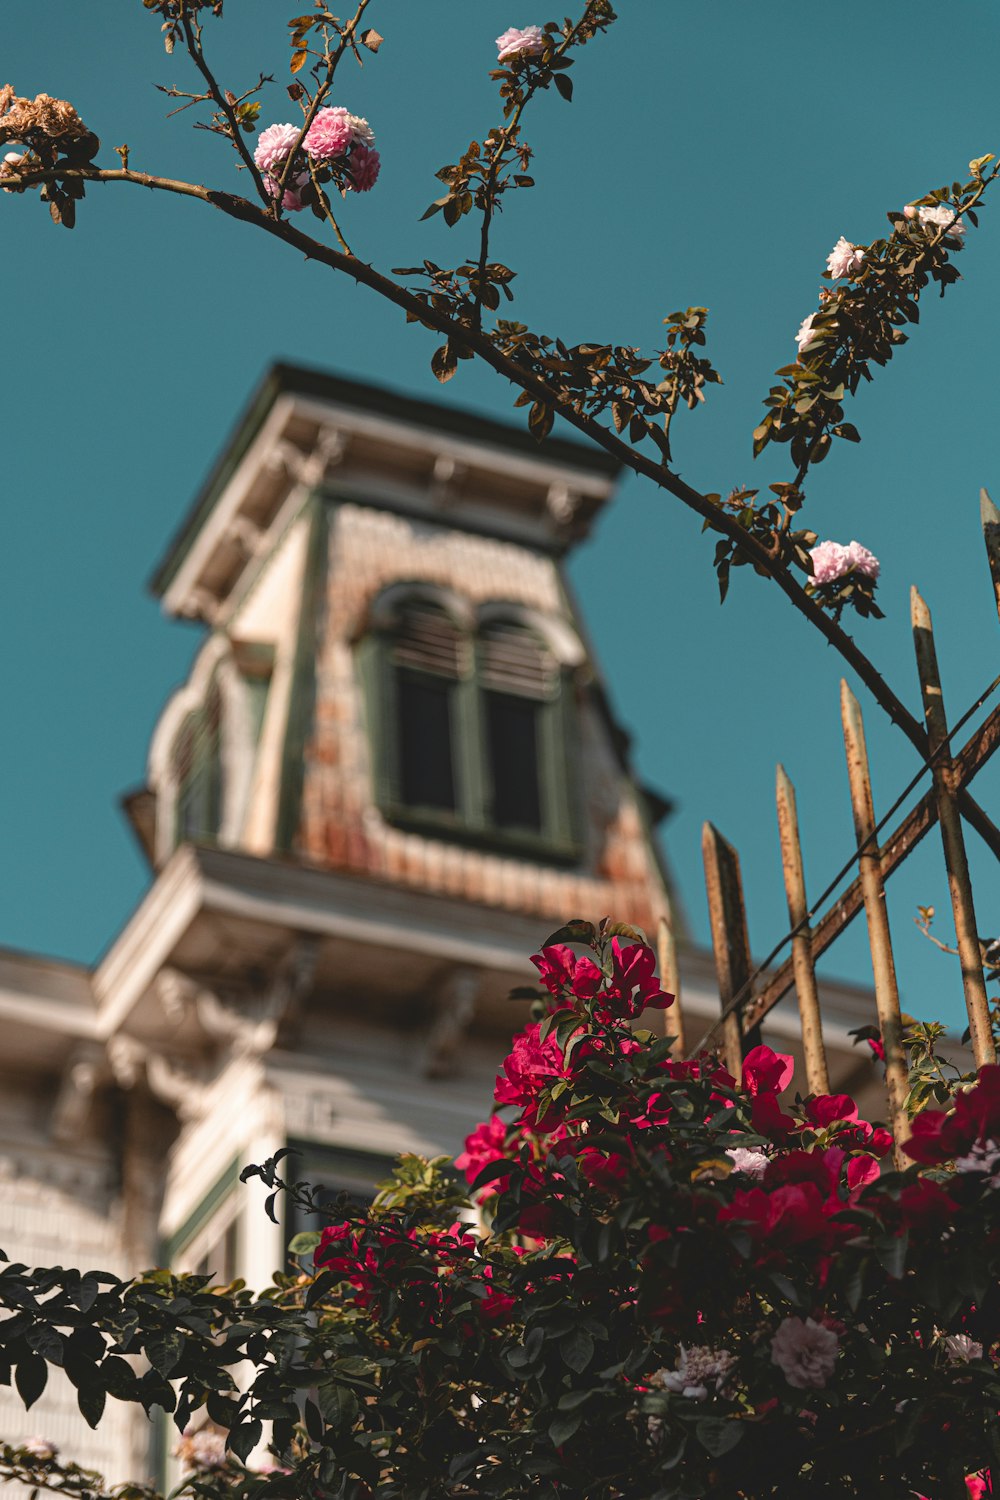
(512,732)
(427,775)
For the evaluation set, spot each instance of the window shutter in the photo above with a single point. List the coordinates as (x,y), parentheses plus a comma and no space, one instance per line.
(513,660)
(426,640)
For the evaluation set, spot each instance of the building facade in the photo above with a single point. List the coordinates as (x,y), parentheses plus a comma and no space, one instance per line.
(391,772)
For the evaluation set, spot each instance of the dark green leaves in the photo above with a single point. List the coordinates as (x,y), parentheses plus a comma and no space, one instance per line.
(31,1378)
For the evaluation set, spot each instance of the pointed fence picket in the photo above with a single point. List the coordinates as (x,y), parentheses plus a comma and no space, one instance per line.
(747,994)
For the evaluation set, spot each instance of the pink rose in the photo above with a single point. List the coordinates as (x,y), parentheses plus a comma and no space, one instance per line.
(805,335)
(330,134)
(527,42)
(844,259)
(805,1352)
(863,561)
(364,167)
(274,147)
(829,561)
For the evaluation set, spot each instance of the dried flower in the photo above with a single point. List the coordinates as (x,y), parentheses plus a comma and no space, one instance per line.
(699,1370)
(805,1352)
(527,42)
(844,259)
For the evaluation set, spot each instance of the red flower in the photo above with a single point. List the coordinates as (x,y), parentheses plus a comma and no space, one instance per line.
(939,1137)
(532,1066)
(790,1215)
(561,970)
(484,1145)
(769,1120)
(767,1072)
(634,983)
(826,1109)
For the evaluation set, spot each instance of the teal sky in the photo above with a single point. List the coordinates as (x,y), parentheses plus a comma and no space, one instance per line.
(712,155)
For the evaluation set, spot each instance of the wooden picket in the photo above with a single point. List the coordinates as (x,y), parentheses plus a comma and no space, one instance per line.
(747,995)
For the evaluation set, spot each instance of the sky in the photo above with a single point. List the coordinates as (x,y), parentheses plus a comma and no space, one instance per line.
(712,155)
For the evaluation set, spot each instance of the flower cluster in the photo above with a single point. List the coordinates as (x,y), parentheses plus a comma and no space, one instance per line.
(338,147)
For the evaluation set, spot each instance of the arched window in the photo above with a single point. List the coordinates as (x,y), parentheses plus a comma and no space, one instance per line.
(469,724)
(429,658)
(518,680)
(197,772)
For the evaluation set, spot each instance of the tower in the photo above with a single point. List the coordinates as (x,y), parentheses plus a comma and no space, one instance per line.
(391,771)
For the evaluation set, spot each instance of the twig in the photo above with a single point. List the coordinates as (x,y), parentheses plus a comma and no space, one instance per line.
(192,38)
(327,210)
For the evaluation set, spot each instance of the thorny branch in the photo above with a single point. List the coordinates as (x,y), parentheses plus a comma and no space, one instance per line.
(529,373)
(478,343)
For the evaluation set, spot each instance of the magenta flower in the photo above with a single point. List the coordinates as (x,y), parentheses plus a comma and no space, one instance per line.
(274,147)
(330,134)
(364,167)
(805,1352)
(529,41)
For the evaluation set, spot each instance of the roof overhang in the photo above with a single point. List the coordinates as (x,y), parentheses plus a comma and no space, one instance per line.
(305,430)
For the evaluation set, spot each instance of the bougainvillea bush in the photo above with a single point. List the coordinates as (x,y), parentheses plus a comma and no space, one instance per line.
(645,1279)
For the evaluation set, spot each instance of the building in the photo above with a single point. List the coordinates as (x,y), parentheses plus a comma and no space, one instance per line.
(391,772)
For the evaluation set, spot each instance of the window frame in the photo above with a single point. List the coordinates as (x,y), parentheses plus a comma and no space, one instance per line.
(471,822)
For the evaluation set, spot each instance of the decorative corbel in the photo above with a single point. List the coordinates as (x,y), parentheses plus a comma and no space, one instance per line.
(446,477)
(455,1010)
(176,1084)
(252,1024)
(247,535)
(562,503)
(176,994)
(77,1088)
(173,1082)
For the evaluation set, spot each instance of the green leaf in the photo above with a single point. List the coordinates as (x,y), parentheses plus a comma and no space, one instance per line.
(305,1243)
(576,931)
(563,1427)
(338,1403)
(564,86)
(31,1378)
(718,1435)
(243,1439)
(90,1399)
(444,363)
(540,420)
(577,1349)
(164,1351)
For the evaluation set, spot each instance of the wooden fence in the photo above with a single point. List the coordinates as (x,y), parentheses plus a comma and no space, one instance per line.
(747,993)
